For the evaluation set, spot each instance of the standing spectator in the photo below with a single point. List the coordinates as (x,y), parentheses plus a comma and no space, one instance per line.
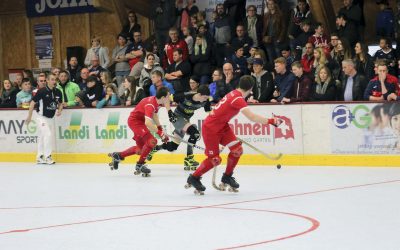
(388,54)
(364,62)
(211,28)
(201,59)
(74,69)
(178,73)
(122,67)
(274,30)
(173,44)
(283,82)
(95,68)
(164,18)
(264,84)
(92,95)
(298,15)
(385,21)
(379,89)
(253,24)
(187,12)
(47,104)
(302,85)
(8,95)
(188,39)
(346,29)
(201,20)
(83,79)
(25,95)
(158,82)
(319,39)
(236,10)
(56,71)
(131,26)
(68,90)
(300,42)
(353,85)
(98,51)
(134,51)
(41,83)
(228,83)
(27,73)
(18,80)
(324,88)
(216,76)
(239,62)
(133,93)
(308,59)
(110,98)
(148,69)
(354,14)
(223,33)
(242,39)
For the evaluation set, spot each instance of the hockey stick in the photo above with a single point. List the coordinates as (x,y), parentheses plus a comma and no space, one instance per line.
(274,158)
(186,142)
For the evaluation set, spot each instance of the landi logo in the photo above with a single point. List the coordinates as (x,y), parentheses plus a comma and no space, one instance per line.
(284,131)
(23,133)
(343,116)
(75,131)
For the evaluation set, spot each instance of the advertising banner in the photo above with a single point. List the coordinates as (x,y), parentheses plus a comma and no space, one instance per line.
(43,41)
(365,128)
(36,8)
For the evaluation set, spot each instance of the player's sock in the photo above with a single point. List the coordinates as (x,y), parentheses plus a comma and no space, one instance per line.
(130,151)
(145,151)
(233,158)
(206,165)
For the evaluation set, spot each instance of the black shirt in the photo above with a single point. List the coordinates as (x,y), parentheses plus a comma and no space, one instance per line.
(187,106)
(185,68)
(46,100)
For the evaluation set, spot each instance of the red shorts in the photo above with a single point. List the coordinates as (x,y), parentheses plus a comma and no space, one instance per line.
(212,140)
(140,131)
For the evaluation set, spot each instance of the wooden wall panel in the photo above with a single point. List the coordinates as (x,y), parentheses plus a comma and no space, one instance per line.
(13,35)
(7,6)
(106,26)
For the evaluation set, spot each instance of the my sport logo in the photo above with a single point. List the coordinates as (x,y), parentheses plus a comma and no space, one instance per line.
(343,116)
(24,134)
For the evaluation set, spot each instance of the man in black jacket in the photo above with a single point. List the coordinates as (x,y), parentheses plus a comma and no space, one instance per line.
(353,84)
(264,84)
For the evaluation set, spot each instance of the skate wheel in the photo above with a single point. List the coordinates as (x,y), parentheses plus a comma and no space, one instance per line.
(145,175)
(193,168)
(109,154)
(234,190)
(187,185)
(186,168)
(136,172)
(110,164)
(222,187)
(198,192)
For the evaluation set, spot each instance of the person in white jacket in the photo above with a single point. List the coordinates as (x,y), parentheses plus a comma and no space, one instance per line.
(98,51)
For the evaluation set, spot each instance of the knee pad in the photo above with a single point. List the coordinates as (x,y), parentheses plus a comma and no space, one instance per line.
(216,160)
(151,142)
(194,134)
(236,150)
(170,146)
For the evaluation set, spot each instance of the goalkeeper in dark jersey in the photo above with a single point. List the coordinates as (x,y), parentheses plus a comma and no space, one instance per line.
(187,103)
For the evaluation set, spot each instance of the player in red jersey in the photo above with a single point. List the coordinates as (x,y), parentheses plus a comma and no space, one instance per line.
(142,121)
(216,131)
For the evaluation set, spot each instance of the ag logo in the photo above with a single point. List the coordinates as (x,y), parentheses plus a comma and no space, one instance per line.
(342,116)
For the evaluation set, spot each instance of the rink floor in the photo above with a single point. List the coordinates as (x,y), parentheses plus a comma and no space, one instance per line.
(87,206)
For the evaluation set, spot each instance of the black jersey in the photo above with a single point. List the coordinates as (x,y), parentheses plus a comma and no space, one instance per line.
(186,105)
(47,100)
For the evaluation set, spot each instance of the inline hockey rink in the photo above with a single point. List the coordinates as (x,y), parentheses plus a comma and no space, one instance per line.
(87,206)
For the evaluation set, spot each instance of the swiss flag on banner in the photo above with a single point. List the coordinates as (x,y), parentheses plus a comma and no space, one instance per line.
(285,130)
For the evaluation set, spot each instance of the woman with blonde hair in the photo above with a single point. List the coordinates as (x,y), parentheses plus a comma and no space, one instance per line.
(133,94)
(319,61)
(324,88)
(97,51)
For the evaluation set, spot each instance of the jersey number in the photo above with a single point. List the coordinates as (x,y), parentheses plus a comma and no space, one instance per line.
(222,101)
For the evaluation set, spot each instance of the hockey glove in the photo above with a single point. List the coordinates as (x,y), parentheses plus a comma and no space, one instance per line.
(172,116)
(162,135)
(275,121)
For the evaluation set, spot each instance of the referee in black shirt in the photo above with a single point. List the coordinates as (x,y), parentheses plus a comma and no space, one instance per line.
(47,103)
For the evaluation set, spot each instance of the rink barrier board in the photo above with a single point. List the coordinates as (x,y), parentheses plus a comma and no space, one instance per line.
(257,160)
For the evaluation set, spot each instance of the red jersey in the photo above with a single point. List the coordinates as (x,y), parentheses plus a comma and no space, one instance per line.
(225,110)
(145,108)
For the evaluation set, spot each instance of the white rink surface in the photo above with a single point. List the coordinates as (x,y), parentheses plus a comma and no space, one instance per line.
(77,206)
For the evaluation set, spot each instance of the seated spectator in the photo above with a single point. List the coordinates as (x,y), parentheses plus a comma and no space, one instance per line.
(308,59)
(228,83)
(148,69)
(298,15)
(110,98)
(353,85)
(300,42)
(302,85)
(174,43)
(193,28)
(283,82)
(122,68)
(239,62)
(346,29)
(98,51)
(253,25)
(41,83)
(287,54)
(379,89)
(135,50)
(201,59)
(178,72)
(105,79)
(83,79)
(201,20)
(158,82)
(131,26)
(74,69)
(324,88)
(8,95)
(389,78)
(188,39)
(388,54)
(95,69)
(68,89)
(27,73)
(216,76)
(242,39)
(364,62)
(18,80)
(92,95)
(194,83)
(24,97)
(56,72)
(133,93)
(264,84)
(319,61)
(319,39)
